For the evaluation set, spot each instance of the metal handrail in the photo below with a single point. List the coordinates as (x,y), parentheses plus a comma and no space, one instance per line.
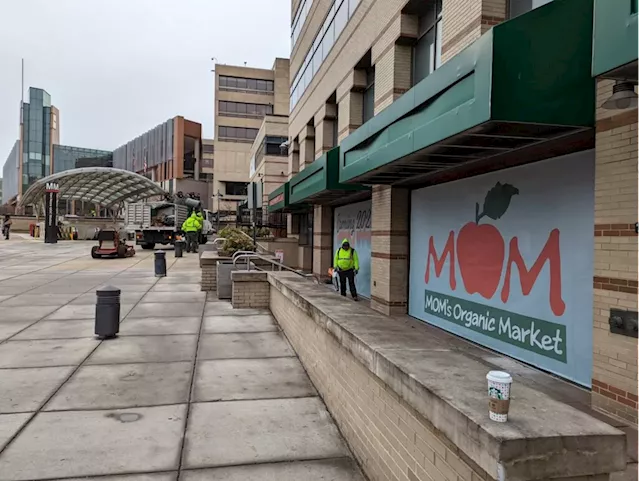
(215,241)
(238,253)
(270,261)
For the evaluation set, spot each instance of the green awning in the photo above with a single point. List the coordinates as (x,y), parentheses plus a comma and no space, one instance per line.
(521,92)
(279,201)
(319,182)
(279,198)
(615,39)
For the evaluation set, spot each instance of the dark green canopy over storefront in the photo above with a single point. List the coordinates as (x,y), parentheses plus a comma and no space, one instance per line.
(522,92)
(279,201)
(319,182)
(615,39)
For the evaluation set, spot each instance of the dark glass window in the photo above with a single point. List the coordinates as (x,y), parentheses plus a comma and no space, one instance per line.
(235,188)
(427,50)
(207,148)
(369,95)
(246,84)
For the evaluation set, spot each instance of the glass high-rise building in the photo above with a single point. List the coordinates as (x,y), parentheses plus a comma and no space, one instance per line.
(40,130)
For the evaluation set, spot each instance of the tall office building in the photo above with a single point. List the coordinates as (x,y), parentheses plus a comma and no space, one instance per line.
(39,131)
(243,97)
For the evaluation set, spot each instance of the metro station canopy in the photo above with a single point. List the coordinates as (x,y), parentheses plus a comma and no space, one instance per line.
(105,186)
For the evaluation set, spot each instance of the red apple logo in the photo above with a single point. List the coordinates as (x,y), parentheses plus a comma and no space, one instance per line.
(481,248)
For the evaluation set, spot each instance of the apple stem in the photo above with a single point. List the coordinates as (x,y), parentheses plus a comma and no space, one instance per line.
(478,215)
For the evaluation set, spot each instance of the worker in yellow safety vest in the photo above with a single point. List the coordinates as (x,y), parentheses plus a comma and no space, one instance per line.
(190,227)
(347,264)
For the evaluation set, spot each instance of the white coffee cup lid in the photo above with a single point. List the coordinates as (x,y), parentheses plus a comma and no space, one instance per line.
(499,376)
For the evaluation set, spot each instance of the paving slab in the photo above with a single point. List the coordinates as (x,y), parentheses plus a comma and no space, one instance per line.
(135,349)
(39,300)
(58,330)
(223,308)
(234,379)
(163,297)
(84,311)
(45,353)
(25,313)
(130,286)
(249,432)
(8,329)
(175,309)
(90,298)
(180,279)
(341,469)
(244,346)
(158,326)
(133,477)
(10,424)
(232,323)
(124,386)
(3,298)
(65,444)
(26,390)
(176,288)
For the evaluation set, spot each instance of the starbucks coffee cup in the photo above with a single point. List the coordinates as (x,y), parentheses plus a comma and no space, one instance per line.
(499,394)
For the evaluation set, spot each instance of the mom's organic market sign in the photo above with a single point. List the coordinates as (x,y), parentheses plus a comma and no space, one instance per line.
(506,260)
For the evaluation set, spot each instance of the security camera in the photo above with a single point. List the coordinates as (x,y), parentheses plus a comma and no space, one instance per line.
(284,145)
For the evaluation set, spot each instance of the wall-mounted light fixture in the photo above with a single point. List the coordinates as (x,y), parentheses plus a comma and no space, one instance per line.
(624,96)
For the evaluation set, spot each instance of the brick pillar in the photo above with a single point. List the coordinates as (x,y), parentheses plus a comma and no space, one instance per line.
(393,76)
(350,103)
(463,21)
(322,240)
(389,249)
(615,357)
(307,147)
(294,158)
(324,122)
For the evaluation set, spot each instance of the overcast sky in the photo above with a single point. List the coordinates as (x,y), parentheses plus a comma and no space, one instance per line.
(117,68)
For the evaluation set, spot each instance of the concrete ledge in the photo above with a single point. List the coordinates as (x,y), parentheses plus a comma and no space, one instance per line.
(210,257)
(442,378)
(248,276)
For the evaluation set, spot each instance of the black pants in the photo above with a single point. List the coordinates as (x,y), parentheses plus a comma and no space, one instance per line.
(5,231)
(192,242)
(349,275)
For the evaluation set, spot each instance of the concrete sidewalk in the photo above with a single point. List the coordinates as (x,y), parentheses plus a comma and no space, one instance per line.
(191,390)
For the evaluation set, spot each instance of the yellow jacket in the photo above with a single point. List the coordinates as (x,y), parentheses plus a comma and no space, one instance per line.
(346,259)
(191,224)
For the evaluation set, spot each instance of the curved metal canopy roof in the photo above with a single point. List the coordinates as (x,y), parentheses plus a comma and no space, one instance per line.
(101,185)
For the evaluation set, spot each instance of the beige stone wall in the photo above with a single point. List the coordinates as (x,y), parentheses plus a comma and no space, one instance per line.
(390,440)
(615,357)
(249,290)
(231,163)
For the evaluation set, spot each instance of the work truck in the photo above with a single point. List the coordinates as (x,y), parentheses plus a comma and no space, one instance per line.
(161,222)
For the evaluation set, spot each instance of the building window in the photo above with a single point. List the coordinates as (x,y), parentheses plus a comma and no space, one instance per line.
(299,19)
(427,52)
(238,133)
(336,20)
(242,109)
(226,82)
(235,188)
(305,233)
(368,103)
(518,7)
(207,148)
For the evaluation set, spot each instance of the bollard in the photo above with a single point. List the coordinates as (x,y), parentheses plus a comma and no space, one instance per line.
(160,264)
(177,246)
(107,312)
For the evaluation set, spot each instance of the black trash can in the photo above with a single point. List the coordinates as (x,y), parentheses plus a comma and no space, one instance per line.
(160,264)
(178,248)
(107,323)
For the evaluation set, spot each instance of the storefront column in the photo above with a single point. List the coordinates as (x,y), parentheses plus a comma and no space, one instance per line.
(350,99)
(392,57)
(325,124)
(389,249)
(615,356)
(464,21)
(322,240)
(307,147)
(293,169)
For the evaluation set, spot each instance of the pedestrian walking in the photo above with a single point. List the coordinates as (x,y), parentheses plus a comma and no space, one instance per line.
(347,264)
(6,226)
